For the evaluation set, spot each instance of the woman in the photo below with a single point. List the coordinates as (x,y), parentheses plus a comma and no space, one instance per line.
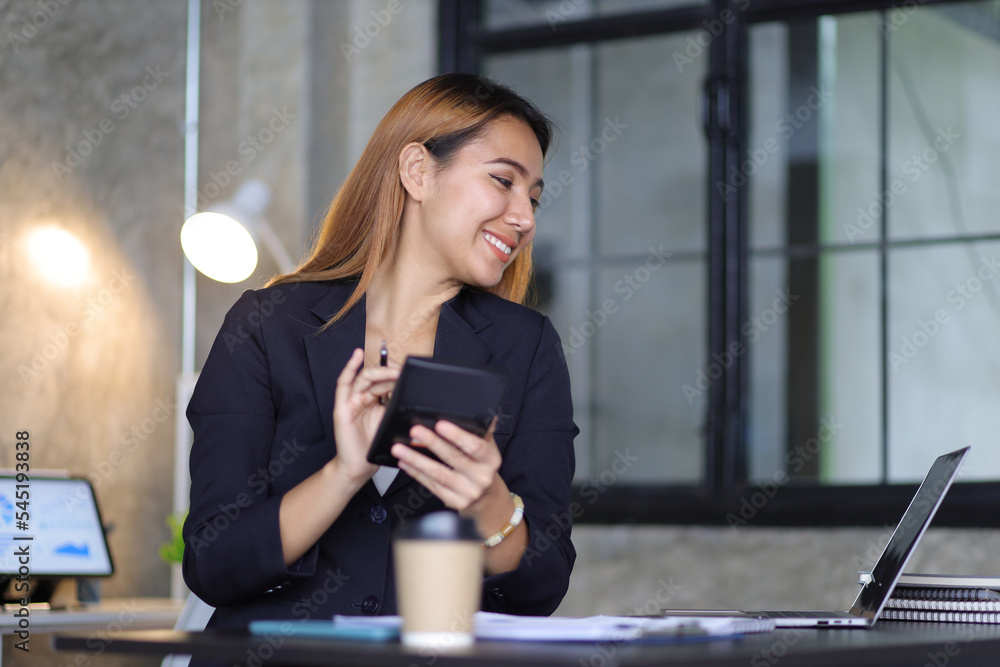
(426,247)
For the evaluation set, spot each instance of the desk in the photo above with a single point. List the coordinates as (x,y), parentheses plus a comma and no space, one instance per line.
(102,621)
(889,644)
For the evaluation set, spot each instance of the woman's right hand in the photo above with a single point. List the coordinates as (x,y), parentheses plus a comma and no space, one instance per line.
(357,412)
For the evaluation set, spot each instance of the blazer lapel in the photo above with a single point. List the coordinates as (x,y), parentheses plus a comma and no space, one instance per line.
(328,351)
(458,326)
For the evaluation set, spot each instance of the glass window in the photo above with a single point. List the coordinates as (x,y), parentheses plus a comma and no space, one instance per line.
(816,189)
(620,246)
(871,155)
(506,14)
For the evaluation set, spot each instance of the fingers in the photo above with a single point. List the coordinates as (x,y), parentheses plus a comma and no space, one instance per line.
(446,433)
(364,385)
(452,489)
(468,466)
(376,382)
(347,375)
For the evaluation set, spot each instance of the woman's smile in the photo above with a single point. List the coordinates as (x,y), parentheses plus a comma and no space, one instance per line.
(502,246)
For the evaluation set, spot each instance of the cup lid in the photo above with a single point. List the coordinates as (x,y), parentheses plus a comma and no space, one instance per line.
(442,525)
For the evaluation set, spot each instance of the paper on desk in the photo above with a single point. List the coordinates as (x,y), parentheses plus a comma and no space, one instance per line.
(506,627)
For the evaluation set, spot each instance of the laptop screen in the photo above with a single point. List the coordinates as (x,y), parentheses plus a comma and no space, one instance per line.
(908,532)
(62,519)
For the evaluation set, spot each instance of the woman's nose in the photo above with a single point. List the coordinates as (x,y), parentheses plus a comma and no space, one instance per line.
(521,214)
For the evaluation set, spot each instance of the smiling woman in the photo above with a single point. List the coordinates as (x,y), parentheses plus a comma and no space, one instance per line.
(426,250)
(465,224)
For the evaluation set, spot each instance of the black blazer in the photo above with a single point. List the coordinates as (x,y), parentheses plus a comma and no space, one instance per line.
(262,418)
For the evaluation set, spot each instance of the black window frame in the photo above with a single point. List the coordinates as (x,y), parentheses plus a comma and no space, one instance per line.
(725,496)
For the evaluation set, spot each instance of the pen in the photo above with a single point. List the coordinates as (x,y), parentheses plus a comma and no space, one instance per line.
(383,360)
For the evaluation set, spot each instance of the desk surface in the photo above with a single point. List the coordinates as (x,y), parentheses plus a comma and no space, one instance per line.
(888,644)
(113,613)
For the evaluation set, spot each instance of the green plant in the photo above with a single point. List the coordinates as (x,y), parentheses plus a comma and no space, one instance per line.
(173,551)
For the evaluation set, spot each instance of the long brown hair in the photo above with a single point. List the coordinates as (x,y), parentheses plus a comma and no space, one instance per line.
(361,228)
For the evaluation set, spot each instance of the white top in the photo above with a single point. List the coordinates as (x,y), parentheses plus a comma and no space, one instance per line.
(383,478)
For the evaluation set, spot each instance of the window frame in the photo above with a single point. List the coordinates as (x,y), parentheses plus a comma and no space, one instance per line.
(726,496)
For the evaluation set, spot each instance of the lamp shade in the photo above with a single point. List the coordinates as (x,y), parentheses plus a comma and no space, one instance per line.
(219,246)
(220,242)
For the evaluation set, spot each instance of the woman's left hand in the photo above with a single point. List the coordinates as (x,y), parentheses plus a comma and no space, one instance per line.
(467,480)
(467,475)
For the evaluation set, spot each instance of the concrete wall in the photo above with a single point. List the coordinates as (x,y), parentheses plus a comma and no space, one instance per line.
(91,98)
(286,96)
(623,568)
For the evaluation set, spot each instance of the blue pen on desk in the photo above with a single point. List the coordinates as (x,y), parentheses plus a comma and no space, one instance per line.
(322,629)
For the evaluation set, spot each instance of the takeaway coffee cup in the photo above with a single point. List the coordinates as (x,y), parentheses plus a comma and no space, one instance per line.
(439,575)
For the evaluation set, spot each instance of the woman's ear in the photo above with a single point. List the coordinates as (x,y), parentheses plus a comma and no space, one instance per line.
(415,163)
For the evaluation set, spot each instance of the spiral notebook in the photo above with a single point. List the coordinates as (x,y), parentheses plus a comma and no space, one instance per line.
(942,598)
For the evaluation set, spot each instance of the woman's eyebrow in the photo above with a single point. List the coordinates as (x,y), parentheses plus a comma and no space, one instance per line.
(517,167)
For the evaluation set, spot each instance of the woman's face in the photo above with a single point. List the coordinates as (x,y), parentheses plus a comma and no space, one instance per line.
(479,211)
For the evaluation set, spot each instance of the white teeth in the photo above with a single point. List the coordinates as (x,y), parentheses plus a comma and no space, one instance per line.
(497,242)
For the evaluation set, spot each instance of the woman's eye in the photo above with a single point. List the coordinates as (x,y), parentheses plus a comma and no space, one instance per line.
(535,204)
(502,181)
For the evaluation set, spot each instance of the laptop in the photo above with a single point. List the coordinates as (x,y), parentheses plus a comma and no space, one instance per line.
(887,569)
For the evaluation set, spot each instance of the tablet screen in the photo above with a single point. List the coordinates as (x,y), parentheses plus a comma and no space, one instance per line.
(63,522)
